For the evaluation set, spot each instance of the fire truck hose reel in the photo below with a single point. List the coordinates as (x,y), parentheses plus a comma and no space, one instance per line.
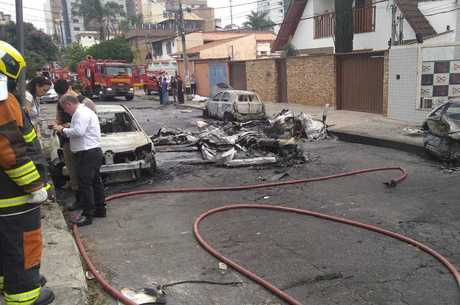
(276,291)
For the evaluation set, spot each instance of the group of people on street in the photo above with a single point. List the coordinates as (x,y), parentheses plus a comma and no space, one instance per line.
(175,86)
(24,176)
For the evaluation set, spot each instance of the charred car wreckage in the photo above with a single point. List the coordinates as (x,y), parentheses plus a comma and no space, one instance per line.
(235,144)
(231,105)
(128,150)
(442,131)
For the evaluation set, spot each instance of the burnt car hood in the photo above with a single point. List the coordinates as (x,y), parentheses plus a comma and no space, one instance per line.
(123,141)
(444,127)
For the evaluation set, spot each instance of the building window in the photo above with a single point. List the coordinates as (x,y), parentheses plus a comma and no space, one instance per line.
(157,49)
(168,48)
(76,28)
(76,21)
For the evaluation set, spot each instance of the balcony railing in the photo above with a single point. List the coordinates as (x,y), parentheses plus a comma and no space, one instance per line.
(363,22)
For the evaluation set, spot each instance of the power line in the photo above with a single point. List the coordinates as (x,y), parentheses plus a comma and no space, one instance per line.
(439,13)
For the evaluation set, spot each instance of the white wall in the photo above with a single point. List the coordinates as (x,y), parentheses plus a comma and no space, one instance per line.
(263,47)
(377,40)
(87,40)
(321,7)
(403,93)
(440,21)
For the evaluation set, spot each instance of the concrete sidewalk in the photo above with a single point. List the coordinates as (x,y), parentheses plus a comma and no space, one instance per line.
(61,264)
(353,126)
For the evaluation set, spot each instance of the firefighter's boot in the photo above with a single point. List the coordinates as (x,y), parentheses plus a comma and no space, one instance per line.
(46,297)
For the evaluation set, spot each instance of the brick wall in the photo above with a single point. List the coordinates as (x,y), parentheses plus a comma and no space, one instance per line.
(262,78)
(311,80)
(403,85)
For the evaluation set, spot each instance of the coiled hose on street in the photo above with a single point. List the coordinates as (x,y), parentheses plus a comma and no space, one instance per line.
(276,291)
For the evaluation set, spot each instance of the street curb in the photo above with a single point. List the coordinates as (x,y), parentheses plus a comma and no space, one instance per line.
(362,139)
(190,106)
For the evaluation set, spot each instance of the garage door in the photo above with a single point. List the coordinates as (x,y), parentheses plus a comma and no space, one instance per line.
(238,75)
(360,82)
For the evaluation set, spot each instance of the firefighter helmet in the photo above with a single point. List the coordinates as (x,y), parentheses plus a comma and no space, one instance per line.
(11,61)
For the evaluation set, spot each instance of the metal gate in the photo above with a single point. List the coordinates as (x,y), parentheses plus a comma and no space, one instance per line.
(217,74)
(360,82)
(238,75)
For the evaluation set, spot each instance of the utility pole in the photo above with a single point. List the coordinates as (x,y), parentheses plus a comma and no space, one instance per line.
(231,14)
(184,51)
(20,45)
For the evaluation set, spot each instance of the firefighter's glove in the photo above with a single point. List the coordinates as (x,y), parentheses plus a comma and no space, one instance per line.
(38,196)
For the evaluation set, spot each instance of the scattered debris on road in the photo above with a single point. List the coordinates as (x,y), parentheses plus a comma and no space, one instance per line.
(169,136)
(412,132)
(145,296)
(258,142)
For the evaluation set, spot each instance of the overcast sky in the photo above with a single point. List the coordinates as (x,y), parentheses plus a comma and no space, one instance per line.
(240,11)
(34,10)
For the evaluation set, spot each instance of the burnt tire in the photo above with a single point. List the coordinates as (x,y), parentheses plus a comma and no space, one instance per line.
(149,172)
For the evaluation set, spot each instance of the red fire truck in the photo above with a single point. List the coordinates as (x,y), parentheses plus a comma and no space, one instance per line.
(106,78)
(148,80)
(55,72)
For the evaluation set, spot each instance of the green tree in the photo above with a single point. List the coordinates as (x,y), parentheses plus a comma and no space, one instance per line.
(72,55)
(117,48)
(258,21)
(39,48)
(103,18)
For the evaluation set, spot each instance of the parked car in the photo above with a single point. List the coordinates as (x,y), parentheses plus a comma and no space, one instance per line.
(442,126)
(239,105)
(50,96)
(128,151)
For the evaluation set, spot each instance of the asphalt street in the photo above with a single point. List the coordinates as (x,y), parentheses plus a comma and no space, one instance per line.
(148,240)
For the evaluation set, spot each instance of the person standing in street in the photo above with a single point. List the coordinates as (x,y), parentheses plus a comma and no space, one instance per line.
(160,90)
(36,88)
(193,84)
(173,86)
(63,87)
(85,143)
(164,91)
(180,90)
(21,193)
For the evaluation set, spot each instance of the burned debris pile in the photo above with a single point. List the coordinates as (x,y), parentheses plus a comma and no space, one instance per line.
(236,144)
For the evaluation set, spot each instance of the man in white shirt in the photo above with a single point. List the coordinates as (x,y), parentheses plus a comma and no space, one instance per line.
(85,143)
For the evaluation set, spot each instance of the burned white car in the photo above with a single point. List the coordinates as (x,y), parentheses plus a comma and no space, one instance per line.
(128,150)
(239,105)
(442,126)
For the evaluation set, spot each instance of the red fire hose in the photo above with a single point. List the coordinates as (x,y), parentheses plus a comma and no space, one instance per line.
(282,295)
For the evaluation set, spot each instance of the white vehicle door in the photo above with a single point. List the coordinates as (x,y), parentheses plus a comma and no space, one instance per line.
(213,105)
(242,104)
(225,104)
(255,104)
